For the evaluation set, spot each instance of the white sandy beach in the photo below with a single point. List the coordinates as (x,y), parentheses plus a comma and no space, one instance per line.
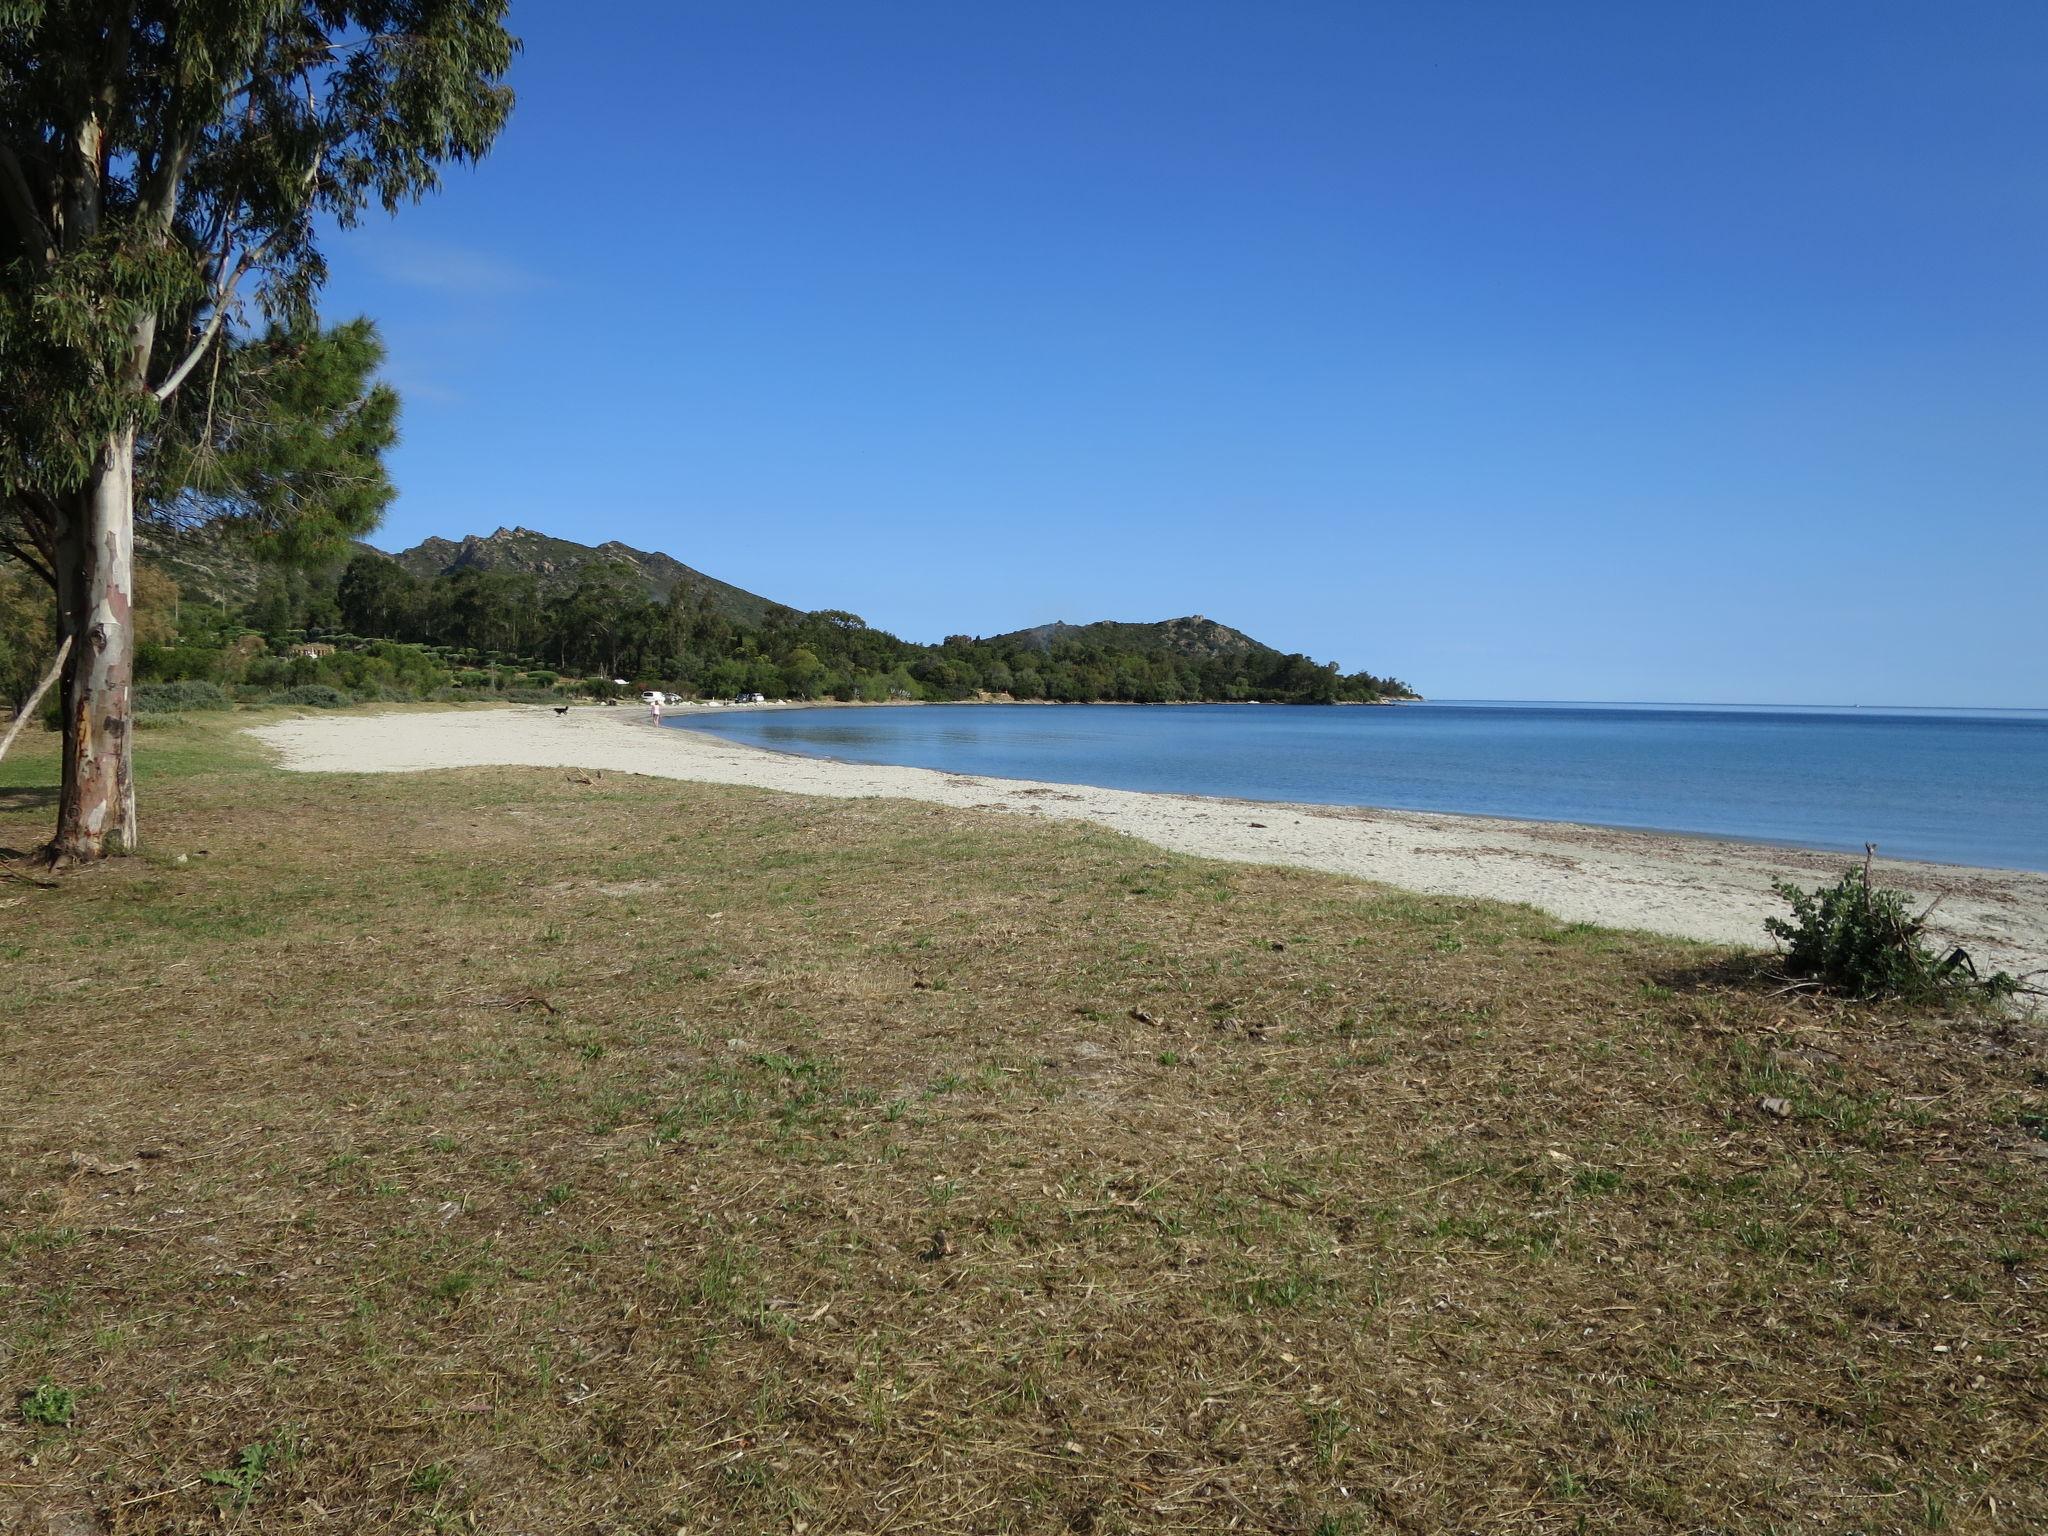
(1699,888)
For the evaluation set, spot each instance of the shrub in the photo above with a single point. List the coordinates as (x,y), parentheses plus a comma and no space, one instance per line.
(1862,941)
(263,671)
(169,698)
(174,663)
(316,695)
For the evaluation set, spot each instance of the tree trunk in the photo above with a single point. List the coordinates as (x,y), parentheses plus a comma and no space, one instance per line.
(96,807)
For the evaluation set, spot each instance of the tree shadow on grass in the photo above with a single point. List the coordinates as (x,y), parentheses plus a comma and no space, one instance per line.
(1749,971)
(29,798)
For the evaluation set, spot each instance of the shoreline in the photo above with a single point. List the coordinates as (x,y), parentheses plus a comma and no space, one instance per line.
(700,706)
(1681,884)
(1734,839)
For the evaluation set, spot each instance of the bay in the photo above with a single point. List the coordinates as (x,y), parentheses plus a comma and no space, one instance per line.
(1954,786)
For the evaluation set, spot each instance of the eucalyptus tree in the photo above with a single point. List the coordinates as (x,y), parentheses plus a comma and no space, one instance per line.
(585,623)
(165,167)
(378,596)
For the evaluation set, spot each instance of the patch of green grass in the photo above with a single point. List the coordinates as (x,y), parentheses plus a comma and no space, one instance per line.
(1278,1293)
(240,1481)
(430,1479)
(1328,1430)
(48,1405)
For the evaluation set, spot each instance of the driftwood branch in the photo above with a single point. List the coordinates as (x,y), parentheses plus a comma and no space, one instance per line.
(28,709)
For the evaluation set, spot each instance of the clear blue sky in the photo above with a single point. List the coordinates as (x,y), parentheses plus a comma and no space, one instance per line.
(1608,351)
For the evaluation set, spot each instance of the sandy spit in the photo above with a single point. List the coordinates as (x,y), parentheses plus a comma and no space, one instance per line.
(1691,887)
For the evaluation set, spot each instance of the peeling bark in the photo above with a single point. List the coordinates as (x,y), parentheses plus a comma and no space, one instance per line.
(96,809)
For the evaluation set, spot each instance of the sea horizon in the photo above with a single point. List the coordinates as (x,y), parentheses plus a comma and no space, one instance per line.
(1748,704)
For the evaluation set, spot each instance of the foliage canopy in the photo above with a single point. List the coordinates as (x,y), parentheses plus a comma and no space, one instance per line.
(171,160)
(165,165)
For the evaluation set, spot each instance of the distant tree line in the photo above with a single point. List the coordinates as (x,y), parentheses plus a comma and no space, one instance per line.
(605,624)
(372,630)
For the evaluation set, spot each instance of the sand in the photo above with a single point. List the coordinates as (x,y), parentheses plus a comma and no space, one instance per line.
(1690,887)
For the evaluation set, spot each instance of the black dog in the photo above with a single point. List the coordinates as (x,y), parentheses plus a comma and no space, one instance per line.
(563,710)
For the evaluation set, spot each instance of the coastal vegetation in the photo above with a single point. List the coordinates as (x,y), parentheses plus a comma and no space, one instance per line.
(370,629)
(1862,940)
(601,623)
(630,1154)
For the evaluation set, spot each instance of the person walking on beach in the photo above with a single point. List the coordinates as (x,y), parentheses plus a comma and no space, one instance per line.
(654,710)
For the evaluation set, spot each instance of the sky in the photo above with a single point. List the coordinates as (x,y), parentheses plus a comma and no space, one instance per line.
(1572,351)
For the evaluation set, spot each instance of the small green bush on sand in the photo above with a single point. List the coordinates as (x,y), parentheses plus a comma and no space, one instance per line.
(1863,941)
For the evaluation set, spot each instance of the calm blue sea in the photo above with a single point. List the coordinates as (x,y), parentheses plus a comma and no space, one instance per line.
(1958,786)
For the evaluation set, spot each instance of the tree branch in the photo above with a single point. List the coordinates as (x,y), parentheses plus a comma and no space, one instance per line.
(39,519)
(28,709)
(160,203)
(20,199)
(29,558)
(47,522)
(214,322)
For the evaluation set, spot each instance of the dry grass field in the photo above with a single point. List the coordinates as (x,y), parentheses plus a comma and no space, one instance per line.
(521,1151)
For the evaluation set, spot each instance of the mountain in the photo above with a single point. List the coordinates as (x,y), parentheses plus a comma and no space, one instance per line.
(778,649)
(1192,636)
(205,566)
(556,564)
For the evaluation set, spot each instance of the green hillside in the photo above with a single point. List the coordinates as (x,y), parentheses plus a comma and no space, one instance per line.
(1193,636)
(206,566)
(518,608)
(556,563)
